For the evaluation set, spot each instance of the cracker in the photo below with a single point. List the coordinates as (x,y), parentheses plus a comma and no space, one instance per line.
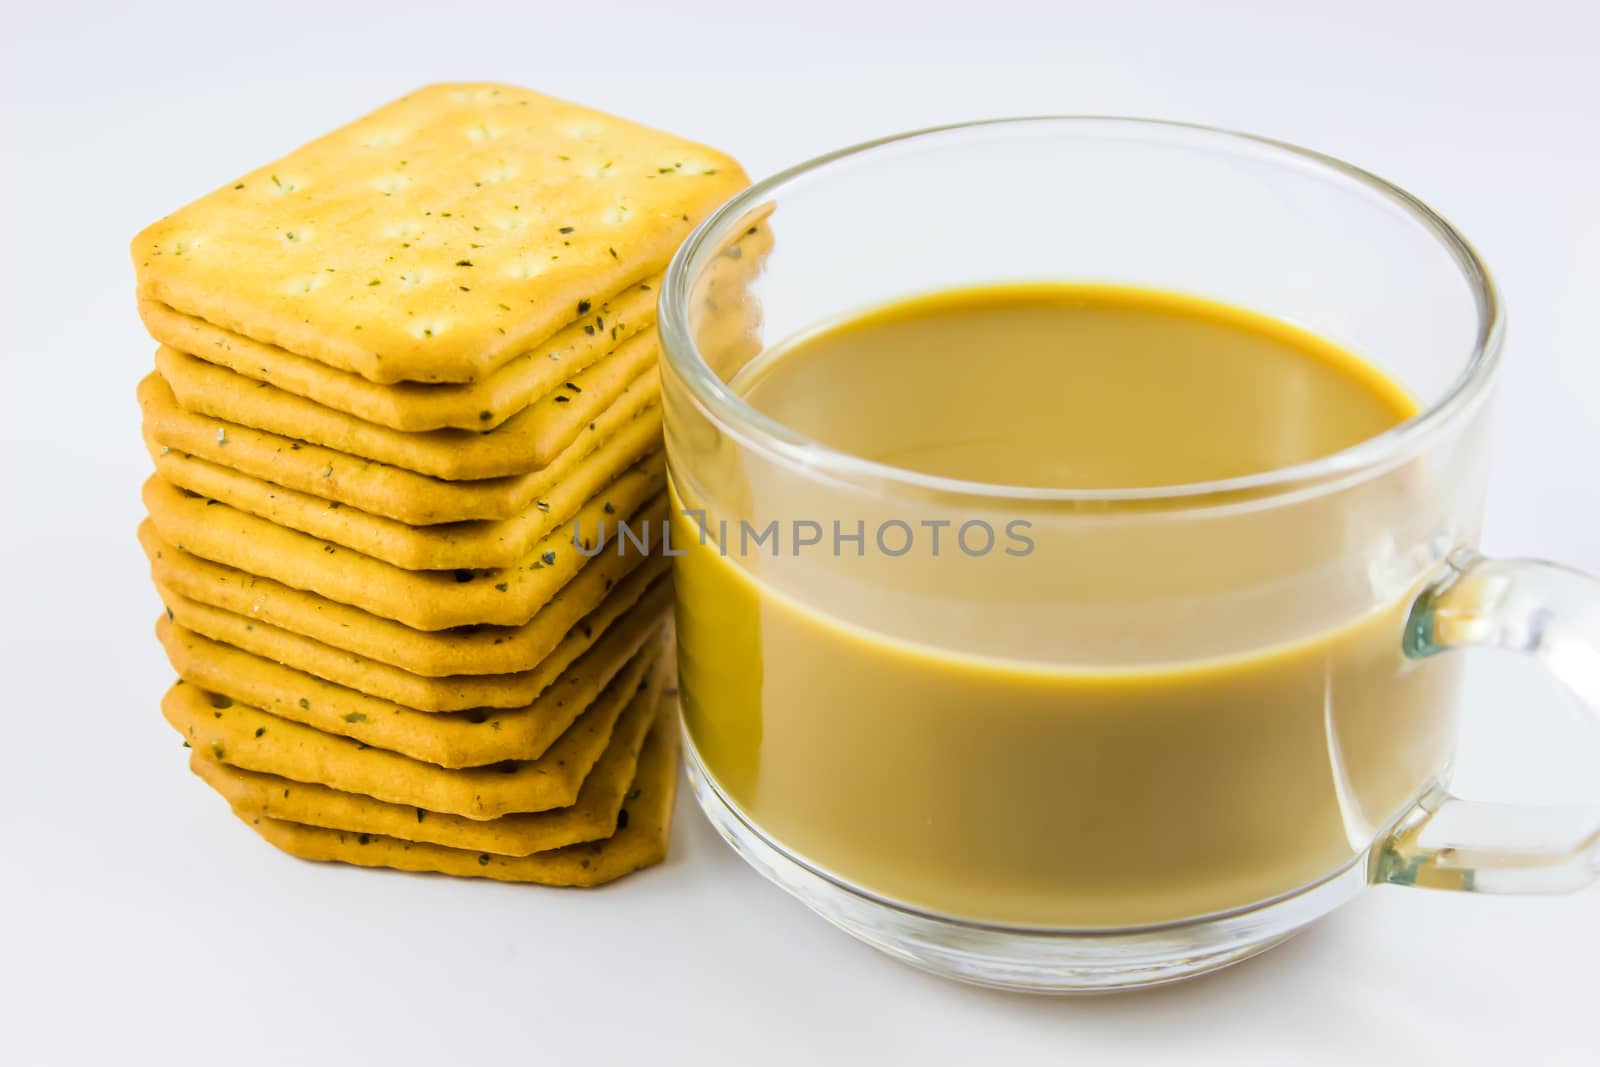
(477,738)
(415,406)
(424,600)
(254,740)
(589,603)
(592,817)
(457,692)
(468,545)
(529,441)
(722,311)
(376,488)
(438,237)
(642,842)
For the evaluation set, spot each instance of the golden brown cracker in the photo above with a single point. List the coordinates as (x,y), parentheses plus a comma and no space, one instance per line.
(416,406)
(466,545)
(376,488)
(473,738)
(246,737)
(456,692)
(593,816)
(438,237)
(529,441)
(609,585)
(722,311)
(423,600)
(640,843)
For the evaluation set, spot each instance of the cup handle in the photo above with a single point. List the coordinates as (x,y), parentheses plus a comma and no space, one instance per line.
(1551,613)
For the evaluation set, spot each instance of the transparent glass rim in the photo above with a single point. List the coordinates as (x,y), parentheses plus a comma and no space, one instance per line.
(771,436)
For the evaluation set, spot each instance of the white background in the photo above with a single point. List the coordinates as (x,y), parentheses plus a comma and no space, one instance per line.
(139,922)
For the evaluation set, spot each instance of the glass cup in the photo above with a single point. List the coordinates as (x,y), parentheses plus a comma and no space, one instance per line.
(1097,739)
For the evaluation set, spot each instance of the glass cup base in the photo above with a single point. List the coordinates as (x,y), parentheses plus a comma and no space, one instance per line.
(1027,960)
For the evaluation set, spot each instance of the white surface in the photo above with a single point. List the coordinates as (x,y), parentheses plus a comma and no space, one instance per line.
(140,923)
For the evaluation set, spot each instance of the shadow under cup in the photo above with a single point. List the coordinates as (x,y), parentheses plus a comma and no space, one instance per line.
(1004,717)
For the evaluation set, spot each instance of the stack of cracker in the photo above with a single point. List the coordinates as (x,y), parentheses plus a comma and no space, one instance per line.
(405,393)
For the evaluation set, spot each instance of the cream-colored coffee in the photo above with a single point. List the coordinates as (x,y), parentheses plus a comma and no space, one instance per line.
(1062,794)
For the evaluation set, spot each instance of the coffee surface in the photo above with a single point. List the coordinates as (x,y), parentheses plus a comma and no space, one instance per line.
(1069,386)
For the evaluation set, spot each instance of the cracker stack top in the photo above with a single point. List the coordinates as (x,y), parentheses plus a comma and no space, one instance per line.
(437,238)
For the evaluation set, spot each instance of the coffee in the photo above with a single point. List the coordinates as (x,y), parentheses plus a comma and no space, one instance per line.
(1065,768)
(1083,387)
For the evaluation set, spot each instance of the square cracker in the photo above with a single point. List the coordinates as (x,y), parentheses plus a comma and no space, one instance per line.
(588,604)
(377,488)
(423,600)
(254,740)
(640,843)
(474,738)
(480,545)
(438,237)
(592,817)
(529,441)
(457,692)
(483,405)
(414,406)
